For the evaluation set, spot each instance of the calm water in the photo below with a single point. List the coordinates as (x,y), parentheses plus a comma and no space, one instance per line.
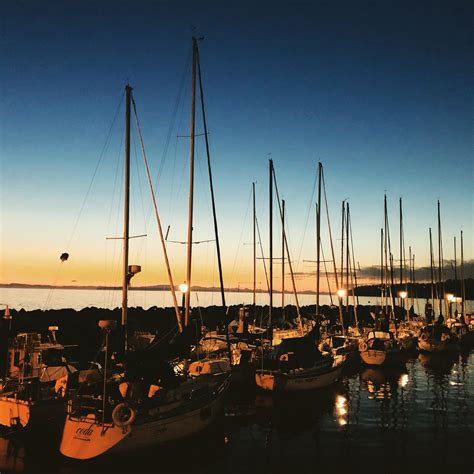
(31,298)
(416,419)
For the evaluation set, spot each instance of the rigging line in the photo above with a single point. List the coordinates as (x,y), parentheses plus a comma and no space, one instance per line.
(96,169)
(330,231)
(298,260)
(178,123)
(240,238)
(173,117)
(141,245)
(332,249)
(160,230)
(288,255)
(353,255)
(263,256)
(327,274)
(112,207)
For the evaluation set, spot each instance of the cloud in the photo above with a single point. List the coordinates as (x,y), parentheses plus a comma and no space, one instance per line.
(422,273)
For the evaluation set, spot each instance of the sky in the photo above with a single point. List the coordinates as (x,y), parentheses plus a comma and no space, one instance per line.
(379,92)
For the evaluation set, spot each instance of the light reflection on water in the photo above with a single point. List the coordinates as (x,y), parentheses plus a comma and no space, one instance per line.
(418,418)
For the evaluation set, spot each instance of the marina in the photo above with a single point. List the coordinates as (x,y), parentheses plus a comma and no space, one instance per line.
(417,419)
(237,247)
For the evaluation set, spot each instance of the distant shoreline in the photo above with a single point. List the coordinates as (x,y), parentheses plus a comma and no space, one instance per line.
(421,289)
(141,288)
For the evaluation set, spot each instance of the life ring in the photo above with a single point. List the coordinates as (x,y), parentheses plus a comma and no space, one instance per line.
(123,414)
(424,337)
(362,346)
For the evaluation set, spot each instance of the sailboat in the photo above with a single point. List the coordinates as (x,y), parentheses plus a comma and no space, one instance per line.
(141,408)
(463,331)
(380,346)
(436,337)
(34,387)
(296,363)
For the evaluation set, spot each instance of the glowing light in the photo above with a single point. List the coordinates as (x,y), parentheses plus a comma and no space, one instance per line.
(404,380)
(341,293)
(402,294)
(341,401)
(450,297)
(183,288)
(342,421)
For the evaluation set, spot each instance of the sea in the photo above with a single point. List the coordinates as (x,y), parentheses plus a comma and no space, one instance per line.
(414,419)
(417,418)
(60,298)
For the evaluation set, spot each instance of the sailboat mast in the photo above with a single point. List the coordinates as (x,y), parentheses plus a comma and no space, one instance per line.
(440,264)
(254,246)
(402,301)
(191,186)
(318,237)
(283,258)
(382,287)
(342,241)
(432,269)
(455,270)
(347,257)
(270,188)
(126,211)
(386,252)
(463,288)
(214,214)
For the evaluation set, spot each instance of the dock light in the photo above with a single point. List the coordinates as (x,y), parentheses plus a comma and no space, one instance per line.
(450,297)
(341,293)
(183,288)
(402,294)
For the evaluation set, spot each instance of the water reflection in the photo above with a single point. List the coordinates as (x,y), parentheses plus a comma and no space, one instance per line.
(415,419)
(12,456)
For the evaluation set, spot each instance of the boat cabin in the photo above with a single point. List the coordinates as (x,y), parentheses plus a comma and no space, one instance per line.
(29,357)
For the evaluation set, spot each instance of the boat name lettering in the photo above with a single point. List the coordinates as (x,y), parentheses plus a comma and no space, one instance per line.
(84,431)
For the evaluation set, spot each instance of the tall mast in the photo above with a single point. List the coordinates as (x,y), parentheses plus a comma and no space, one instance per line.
(455,270)
(432,269)
(402,301)
(270,188)
(413,281)
(342,242)
(382,287)
(283,258)
(318,237)
(440,264)
(347,257)
(191,186)
(463,289)
(386,251)
(254,246)
(214,214)
(126,212)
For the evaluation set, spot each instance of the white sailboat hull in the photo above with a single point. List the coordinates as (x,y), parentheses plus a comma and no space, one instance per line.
(375,357)
(304,379)
(86,438)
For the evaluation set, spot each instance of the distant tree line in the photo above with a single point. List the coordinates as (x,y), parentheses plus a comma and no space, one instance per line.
(422,290)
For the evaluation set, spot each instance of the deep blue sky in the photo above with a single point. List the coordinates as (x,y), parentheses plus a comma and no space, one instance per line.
(380,92)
